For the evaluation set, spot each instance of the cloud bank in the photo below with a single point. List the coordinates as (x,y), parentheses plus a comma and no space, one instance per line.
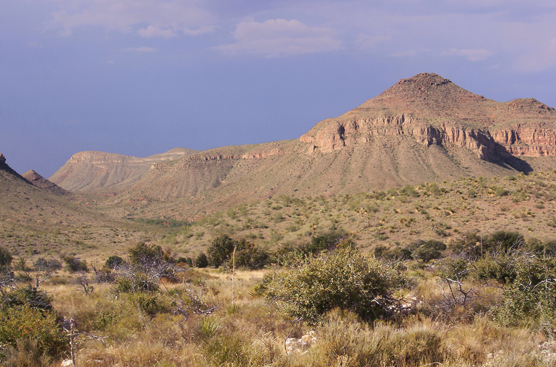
(280,37)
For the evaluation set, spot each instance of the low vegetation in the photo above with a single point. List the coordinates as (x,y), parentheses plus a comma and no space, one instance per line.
(391,218)
(448,274)
(480,300)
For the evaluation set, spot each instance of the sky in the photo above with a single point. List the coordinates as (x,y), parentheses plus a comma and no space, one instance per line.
(140,77)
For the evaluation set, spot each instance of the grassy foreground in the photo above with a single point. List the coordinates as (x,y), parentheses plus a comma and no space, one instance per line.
(148,316)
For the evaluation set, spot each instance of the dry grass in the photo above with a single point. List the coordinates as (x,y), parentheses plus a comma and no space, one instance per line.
(441,211)
(252,333)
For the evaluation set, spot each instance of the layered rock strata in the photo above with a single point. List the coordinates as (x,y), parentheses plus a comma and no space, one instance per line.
(433,110)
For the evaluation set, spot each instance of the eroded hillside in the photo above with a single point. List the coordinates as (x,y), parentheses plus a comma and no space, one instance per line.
(422,129)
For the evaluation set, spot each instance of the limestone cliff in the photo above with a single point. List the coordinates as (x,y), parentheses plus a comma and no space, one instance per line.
(93,170)
(434,111)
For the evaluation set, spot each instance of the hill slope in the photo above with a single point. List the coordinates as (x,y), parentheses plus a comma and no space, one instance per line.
(94,170)
(41,182)
(38,222)
(422,129)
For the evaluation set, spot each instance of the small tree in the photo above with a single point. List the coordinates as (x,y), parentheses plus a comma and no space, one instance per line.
(201,260)
(342,279)
(248,255)
(220,250)
(146,255)
(5,259)
(429,250)
(147,265)
(74,264)
(113,262)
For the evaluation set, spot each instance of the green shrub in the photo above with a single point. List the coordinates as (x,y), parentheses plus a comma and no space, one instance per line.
(113,262)
(429,250)
(343,279)
(148,263)
(500,268)
(150,303)
(132,282)
(473,246)
(5,259)
(532,295)
(27,296)
(220,250)
(201,261)
(74,264)
(148,256)
(45,265)
(248,255)
(326,241)
(24,322)
(395,253)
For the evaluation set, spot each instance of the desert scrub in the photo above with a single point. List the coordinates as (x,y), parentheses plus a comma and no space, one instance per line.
(247,255)
(27,319)
(26,323)
(531,296)
(343,279)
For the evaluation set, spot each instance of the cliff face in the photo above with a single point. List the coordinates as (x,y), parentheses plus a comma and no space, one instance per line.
(434,111)
(339,134)
(93,170)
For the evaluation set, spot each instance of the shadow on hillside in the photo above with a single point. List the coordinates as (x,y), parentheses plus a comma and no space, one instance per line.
(512,162)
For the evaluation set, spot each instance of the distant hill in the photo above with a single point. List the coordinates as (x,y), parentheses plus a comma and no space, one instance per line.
(41,182)
(422,129)
(94,170)
(35,221)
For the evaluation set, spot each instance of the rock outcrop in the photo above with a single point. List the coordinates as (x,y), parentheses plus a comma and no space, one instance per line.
(434,111)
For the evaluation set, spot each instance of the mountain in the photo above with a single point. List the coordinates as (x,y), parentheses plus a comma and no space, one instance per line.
(24,204)
(36,222)
(422,129)
(41,182)
(93,170)
(433,110)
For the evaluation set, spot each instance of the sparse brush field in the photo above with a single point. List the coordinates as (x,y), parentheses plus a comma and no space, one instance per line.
(449,274)
(484,301)
(442,211)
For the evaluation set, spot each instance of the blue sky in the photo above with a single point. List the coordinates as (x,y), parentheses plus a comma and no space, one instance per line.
(140,77)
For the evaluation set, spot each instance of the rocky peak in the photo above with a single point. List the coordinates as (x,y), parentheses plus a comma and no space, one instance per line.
(2,158)
(423,81)
(423,92)
(37,180)
(528,105)
(434,111)
(32,175)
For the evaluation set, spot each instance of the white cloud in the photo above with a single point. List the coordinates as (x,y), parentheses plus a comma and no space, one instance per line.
(140,49)
(159,16)
(281,37)
(152,31)
(367,42)
(201,30)
(471,54)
